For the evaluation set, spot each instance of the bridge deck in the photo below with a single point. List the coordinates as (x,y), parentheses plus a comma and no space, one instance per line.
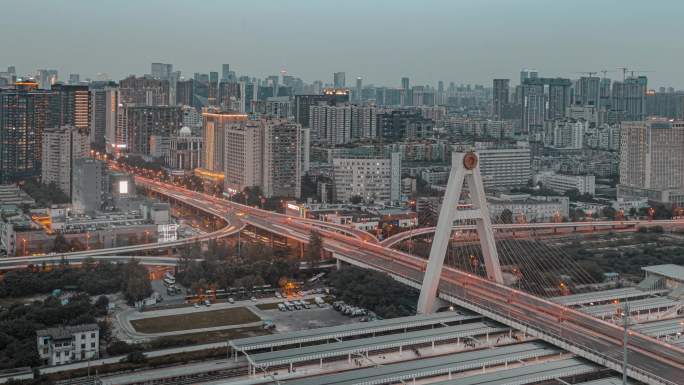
(343,348)
(605,295)
(638,305)
(341,331)
(661,328)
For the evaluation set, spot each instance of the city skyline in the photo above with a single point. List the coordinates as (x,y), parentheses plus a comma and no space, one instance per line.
(502,38)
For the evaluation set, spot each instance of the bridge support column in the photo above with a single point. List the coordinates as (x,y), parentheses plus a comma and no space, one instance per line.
(464,169)
(338,264)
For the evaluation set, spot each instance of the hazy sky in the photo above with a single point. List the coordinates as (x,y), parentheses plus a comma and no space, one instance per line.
(469,41)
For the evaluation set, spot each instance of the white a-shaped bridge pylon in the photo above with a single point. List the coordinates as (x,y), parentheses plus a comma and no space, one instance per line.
(465,167)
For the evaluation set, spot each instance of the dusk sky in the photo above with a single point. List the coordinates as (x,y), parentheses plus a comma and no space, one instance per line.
(381,41)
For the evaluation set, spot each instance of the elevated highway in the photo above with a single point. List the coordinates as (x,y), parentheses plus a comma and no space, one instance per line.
(593,225)
(650,361)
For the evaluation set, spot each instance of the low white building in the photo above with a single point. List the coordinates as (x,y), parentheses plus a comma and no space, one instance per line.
(528,208)
(375,179)
(585,184)
(65,344)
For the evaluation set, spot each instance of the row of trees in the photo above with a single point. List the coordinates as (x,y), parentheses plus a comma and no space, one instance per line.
(20,323)
(226,265)
(374,291)
(44,194)
(130,278)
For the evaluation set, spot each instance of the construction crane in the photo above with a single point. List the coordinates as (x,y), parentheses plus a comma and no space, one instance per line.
(632,72)
(589,73)
(604,72)
(624,72)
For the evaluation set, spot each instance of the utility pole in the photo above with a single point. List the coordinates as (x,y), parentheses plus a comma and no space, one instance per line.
(625,318)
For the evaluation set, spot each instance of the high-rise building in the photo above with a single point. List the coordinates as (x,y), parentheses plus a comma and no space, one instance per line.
(587,91)
(62,145)
(629,97)
(149,128)
(74,79)
(559,97)
(330,97)
(406,99)
(25,113)
(184,92)
(500,95)
(400,124)
(90,183)
(46,78)
(214,123)
(144,91)
(532,107)
(282,158)
(331,125)
(339,80)
(358,90)
(225,72)
(526,74)
(98,117)
(652,160)
(74,106)
(265,153)
(115,136)
(161,71)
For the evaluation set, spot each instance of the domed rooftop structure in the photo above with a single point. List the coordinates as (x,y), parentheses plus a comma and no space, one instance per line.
(185,131)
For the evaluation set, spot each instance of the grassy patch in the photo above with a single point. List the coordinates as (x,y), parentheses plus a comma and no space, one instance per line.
(268,306)
(209,337)
(198,320)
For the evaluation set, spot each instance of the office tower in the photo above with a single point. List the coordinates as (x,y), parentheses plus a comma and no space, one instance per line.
(629,96)
(500,98)
(149,128)
(73,106)
(161,71)
(587,91)
(652,160)
(144,91)
(406,99)
(74,79)
(90,182)
(559,97)
(225,72)
(212,99)
(98,117)
(526,74)
(115,138)
(330,125)
(375,178)
(25,113)
(330,97)
(339,80)
(46,78)
(231,96)
(61,146)
(184,92)
(402,124)
(358,90)
(282,158)
(532,106)
(504,166)
(214,123)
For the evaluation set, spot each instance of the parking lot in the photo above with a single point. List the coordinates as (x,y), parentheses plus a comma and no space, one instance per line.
(315,317)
